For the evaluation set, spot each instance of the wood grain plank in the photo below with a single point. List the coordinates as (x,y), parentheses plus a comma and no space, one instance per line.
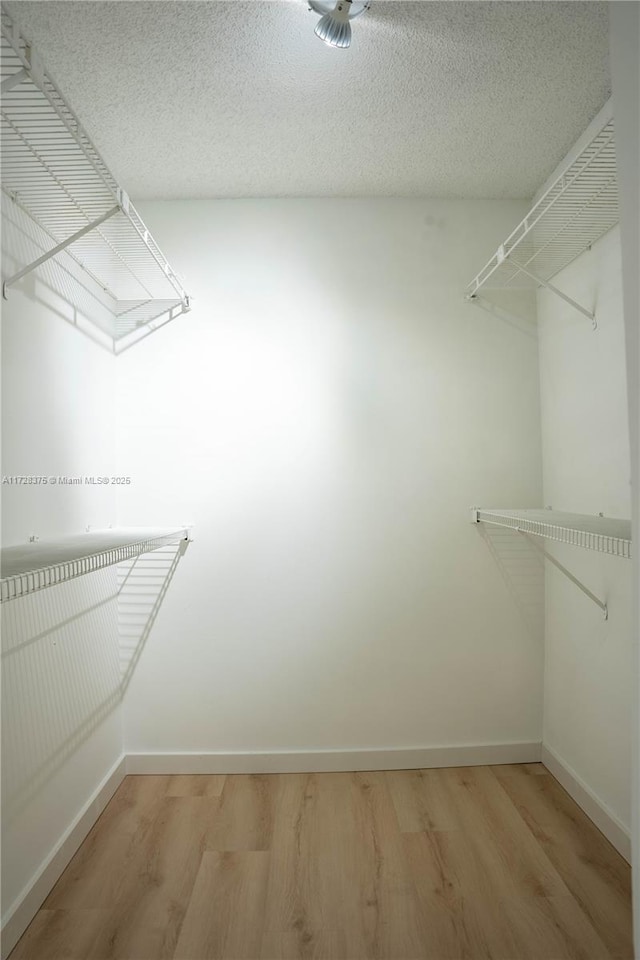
(308,887)
(94,878)
(458,918)
(293,946)
(596,875)
(462,920)
(197,785)
(506,857)
(245,815)
(386,900)
(145,922)
(60,935)
(551,928)
(338,881)
(420,799)
(226,910)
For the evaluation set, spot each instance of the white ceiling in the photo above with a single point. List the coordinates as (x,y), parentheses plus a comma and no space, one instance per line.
(240,99)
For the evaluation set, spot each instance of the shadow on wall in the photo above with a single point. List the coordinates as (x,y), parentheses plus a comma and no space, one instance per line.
(59,284)
(522,571)
(142,585)
(515,308)
(62,672)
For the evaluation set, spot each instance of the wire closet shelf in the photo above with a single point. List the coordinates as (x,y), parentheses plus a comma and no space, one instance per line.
(579,207)
(27,568)
(53,172)
(602,534)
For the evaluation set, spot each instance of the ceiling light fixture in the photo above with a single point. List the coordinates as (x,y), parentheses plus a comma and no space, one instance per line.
(334,27)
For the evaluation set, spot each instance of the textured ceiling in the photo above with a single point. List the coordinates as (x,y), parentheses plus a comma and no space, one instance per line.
(240,99)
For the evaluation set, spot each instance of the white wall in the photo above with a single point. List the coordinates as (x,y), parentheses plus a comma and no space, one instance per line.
(57,395)
(326,416)
(588,662)
(625,70)
(61,718)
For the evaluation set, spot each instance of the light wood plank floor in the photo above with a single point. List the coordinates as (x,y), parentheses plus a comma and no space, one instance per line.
(474,862)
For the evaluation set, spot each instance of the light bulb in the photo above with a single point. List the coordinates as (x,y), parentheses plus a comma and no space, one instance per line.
(333,27)
(335,33)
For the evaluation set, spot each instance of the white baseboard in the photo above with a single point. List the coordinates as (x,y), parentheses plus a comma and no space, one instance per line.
(27,904)
(595,808)
(332,761)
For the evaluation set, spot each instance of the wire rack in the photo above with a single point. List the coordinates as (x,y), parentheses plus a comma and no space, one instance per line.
(602,534)
(52,171)
(579,207)
(34,566)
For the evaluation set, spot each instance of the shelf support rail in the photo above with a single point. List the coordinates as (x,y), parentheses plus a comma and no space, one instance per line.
(567,573)
(10,82)
(554,289)
(58,249)
(476,517)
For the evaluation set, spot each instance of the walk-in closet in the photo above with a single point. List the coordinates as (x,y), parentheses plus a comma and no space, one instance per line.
(320,467)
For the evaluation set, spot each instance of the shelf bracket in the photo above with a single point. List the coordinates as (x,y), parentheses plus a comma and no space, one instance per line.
(559,293)
(16,78)
(556,563)
(57,249)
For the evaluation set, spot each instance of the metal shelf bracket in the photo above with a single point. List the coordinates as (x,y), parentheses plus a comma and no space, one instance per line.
(554,289)
(601,534)
(58,249)
(10,82)
(567,573)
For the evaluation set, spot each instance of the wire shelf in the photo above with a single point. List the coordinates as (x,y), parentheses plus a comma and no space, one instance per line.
(579,207)
(602,534)
(52,171)
(31,567)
